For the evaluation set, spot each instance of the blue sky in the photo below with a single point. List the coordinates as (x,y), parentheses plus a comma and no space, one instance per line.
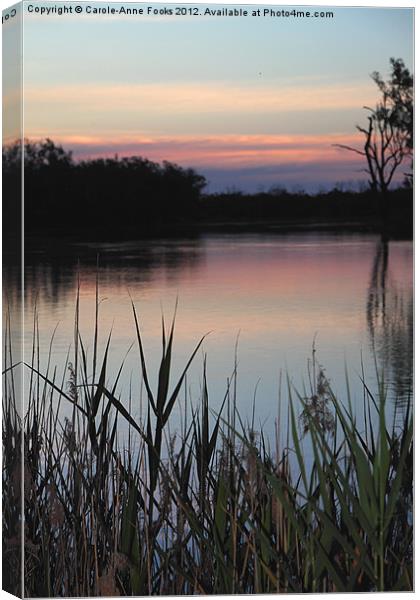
(254,101)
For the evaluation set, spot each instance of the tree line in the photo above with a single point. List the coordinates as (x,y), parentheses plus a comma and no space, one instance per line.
(95,194)
(135,196)
(125,197)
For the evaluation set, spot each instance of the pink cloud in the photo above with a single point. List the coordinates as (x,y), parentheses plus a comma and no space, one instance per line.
(216,151)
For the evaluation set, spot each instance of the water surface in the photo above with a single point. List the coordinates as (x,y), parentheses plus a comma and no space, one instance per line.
(273,295)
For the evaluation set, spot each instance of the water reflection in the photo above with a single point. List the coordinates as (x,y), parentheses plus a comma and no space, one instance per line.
(52,269)
(389,312)
(350,290)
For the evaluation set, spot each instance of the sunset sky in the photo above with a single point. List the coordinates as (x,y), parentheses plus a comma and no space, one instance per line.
(250,102)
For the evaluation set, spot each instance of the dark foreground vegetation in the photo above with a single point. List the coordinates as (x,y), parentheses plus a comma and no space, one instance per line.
(123,198)
(336,209)
(211,508)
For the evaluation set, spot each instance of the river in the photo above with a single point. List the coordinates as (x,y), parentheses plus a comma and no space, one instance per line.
(275,296)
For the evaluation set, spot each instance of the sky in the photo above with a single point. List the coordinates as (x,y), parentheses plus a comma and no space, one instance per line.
(250,102)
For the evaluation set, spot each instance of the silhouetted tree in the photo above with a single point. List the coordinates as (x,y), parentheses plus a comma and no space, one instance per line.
(133,196)
(46,154)
(389,132)
(115,195)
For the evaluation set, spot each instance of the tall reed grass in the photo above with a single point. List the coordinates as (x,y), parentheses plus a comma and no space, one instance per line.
(210,509)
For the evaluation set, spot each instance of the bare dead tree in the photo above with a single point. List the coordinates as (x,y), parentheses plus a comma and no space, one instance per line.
(389,133)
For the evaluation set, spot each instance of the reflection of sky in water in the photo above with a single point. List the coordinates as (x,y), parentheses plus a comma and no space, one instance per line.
(277,293)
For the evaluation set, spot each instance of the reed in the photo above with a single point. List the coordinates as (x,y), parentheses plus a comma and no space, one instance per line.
(210,509)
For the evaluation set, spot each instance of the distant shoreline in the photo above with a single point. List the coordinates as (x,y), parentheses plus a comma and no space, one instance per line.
(197,228)
(56,240)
